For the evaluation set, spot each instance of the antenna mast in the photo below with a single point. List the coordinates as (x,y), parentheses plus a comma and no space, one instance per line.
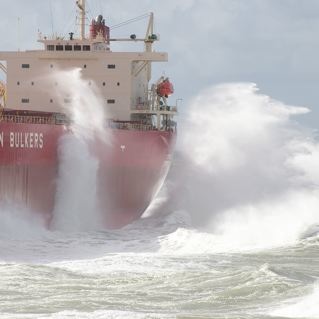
(81,6)
(149,33)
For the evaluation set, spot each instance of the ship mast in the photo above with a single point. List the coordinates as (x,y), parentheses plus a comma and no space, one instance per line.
(149,42)
(149,33)
(81,6)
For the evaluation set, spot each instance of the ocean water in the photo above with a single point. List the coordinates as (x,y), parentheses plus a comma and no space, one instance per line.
(153,269)
(233,233)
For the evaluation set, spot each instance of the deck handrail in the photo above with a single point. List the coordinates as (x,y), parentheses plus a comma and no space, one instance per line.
(57,119)
(128,125)
(29,119)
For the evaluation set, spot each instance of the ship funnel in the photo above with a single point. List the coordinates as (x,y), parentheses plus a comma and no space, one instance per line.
(98,29)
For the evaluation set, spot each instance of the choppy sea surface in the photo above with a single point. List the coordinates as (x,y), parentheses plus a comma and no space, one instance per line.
(232,234)
(153,269)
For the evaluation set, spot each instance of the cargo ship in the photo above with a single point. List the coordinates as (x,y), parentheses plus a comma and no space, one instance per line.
(33,120)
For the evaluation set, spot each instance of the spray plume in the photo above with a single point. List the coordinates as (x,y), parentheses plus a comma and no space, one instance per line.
(247,171)
(76,205)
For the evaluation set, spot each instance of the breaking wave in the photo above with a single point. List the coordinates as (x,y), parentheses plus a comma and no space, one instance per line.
(247,173)
(306,307)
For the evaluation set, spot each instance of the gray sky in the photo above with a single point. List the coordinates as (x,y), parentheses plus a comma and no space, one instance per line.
(274,43)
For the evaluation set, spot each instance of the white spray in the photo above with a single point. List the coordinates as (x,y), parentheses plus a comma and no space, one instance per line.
(306,307)
(76,195)
(18,222)
(249,172)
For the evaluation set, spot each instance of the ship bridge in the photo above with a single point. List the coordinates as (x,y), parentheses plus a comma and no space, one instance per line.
(122,78)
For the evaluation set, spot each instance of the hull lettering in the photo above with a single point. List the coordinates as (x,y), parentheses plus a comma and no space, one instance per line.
(25,140)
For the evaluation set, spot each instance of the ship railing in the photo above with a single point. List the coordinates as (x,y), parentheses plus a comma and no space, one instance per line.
(30,119)
(61,120)
(129,125)
(137,126)
(141,107)
(168,108)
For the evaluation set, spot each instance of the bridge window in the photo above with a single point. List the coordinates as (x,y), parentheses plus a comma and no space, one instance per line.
(25,66)
(50,47)
(86,48)
(111,101)
(68,47)
(59,47)
(111,66)
(25,100)
(77,48)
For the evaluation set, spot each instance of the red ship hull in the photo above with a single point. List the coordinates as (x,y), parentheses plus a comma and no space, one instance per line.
(129,170)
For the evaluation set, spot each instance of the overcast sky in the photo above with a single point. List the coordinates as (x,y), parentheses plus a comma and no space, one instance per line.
(274,43)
